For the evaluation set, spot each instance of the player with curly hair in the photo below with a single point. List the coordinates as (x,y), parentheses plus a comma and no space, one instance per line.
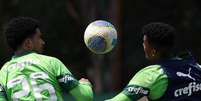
(31,76)
(170,78)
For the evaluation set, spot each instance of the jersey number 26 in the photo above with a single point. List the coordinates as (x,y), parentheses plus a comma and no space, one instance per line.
(37,89)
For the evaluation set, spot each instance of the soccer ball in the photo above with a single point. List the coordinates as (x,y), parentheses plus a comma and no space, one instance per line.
(100,37)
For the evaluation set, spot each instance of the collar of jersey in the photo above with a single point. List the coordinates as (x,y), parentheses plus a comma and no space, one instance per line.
(24,53)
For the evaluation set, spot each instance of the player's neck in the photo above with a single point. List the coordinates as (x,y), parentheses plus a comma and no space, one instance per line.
(163,58)
(21,51)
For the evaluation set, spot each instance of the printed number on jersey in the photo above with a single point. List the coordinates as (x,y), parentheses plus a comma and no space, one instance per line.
(26,87)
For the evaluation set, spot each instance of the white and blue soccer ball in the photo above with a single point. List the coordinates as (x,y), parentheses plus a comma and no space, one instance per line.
(100,37)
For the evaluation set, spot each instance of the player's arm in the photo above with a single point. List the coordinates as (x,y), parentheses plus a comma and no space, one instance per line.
(142,85)
(123,97)
(81,91)
(84,89)
(2,94)
(132,93)
(120,97)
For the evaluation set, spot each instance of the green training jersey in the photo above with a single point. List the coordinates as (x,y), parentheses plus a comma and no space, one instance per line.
(150,81)
(35,77)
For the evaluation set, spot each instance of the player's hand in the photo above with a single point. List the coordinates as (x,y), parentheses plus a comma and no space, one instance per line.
(85,81)
(143,99)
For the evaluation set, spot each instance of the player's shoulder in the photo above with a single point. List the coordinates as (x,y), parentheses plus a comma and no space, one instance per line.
(51,60)
(3,72)
(152,69)
(149,74)
(46,57)
(4,66)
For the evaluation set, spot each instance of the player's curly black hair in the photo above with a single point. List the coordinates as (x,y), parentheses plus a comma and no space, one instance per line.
(160,35)
(18,29)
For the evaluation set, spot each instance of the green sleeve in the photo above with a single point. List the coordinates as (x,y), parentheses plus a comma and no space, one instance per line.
(58,67)
(64,76)
(152,78)
(150,81)
(131,93)
(120,97)
(2,99)
(82,92)
(2,94)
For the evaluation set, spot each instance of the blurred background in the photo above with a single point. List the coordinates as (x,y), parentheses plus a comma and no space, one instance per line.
(63,23)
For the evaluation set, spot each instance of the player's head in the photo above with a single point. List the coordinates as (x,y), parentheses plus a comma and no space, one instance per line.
(158,40)
(23,33)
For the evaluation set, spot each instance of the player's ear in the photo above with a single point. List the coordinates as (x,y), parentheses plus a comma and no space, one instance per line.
(28,44)
(153,51)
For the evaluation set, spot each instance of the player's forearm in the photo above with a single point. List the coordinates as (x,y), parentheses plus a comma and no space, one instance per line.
(3,99)
(143,99)
(119,97)
(123,97)
(80,90)
(83,92)
(3,96)
(131,92)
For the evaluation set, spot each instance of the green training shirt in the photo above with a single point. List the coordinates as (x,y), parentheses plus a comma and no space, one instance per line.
(35,77)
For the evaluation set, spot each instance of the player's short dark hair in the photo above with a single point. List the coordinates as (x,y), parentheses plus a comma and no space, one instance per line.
(18,29)
(160,35)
